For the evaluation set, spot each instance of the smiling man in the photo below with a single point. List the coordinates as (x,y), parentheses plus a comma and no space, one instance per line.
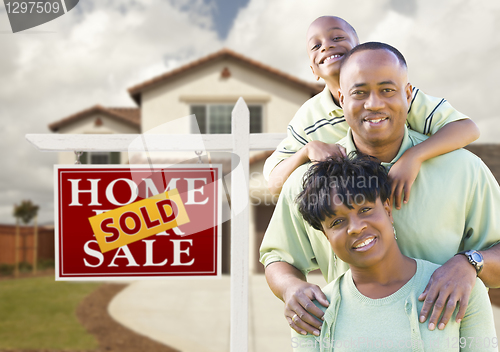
(453,209)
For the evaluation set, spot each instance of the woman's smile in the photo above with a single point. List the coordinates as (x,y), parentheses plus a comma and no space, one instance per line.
(364,244)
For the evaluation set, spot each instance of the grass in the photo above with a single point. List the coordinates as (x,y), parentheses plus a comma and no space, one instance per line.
(39,313)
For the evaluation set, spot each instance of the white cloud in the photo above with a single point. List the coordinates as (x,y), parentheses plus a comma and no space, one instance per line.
(96,51)
(90,55)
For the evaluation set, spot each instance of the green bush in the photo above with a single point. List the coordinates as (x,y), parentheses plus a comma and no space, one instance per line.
(6,269)
(46,264)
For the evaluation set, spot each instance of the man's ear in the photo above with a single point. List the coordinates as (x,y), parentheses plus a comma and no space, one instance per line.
(341,98)
(409,92)
(315,75)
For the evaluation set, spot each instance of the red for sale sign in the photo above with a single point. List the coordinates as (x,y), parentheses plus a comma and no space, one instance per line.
(134,221)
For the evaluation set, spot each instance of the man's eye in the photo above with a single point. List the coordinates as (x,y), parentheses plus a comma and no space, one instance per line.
(387,90)
(357,92)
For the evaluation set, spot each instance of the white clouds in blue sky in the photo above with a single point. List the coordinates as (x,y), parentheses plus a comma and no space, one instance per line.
(99,49)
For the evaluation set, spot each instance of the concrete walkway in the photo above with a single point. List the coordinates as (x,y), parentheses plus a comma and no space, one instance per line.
(193,315)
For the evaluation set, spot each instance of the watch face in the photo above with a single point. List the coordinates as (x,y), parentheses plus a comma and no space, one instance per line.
(477,257)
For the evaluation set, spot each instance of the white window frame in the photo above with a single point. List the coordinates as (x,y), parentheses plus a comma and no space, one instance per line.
(207,115)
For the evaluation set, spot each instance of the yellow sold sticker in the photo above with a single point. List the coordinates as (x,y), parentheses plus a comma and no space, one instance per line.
(136,221)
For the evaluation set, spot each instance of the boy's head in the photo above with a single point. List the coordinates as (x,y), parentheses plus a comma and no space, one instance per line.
(329,38)
(349,181)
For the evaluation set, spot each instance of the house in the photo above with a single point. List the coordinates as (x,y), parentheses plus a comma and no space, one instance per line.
(207,88)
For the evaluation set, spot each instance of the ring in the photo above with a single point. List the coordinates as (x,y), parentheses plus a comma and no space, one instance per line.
(295,316)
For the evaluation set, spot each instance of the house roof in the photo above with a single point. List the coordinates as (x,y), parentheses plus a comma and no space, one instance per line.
(312,88)
(130,116)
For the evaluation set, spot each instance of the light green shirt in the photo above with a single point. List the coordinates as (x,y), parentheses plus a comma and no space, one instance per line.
(319,119)
(453,206)
(356,323)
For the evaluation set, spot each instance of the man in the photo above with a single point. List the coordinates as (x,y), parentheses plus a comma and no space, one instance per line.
(452,209)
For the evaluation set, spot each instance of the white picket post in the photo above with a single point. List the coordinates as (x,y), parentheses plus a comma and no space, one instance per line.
(240,122)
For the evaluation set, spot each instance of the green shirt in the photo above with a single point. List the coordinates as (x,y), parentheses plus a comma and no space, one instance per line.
(453,206)
(356,323)
(319,119)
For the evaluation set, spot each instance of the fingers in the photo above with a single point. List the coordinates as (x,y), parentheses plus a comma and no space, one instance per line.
(309,313)
(427,303)
(397,195)
(448,312)
(303,315)
(449,309)
(294,326)
(464,303)
(303,322)
(393,191)
(342,151)
(407,189)
(439,305)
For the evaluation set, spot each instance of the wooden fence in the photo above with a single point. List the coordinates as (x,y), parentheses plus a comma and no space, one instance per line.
(26,244)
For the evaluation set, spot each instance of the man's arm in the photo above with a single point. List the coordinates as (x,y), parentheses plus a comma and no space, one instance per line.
(490,274)
(453,282)
(290,285)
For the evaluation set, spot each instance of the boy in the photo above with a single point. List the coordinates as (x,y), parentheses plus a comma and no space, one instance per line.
(320,122)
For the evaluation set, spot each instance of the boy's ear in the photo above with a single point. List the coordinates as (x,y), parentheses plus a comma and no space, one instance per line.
(409,92)
(315,75)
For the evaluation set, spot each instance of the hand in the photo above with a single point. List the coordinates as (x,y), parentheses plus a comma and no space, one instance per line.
(450,284)
(299,307)
(402,175)
(319,151)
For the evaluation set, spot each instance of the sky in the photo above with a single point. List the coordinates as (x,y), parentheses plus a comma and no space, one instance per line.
(95,52)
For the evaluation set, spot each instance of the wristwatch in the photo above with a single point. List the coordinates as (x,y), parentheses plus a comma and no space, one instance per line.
(475,258)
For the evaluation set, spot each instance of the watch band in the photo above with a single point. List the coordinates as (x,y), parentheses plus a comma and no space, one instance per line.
(475,258)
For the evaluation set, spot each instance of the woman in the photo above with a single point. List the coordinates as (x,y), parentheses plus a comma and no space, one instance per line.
(374,305)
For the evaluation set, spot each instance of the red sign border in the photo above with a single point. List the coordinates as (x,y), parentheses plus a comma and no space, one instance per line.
(147,276)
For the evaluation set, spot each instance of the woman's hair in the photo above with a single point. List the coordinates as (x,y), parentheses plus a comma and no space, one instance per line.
(354,179)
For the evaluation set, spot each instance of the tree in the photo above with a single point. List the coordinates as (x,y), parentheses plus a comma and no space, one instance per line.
(25,212)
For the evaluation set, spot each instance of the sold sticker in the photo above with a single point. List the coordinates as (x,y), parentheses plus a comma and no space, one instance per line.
(136,221)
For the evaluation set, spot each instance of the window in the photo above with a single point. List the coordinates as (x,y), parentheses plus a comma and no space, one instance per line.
(216,118)
(100,158)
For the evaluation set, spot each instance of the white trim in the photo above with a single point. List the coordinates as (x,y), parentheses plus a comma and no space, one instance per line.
(157,142)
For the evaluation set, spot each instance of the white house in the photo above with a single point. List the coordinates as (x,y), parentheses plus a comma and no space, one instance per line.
(208,88)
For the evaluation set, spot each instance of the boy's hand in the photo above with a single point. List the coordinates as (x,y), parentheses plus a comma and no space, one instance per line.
(402,175)
(319,151)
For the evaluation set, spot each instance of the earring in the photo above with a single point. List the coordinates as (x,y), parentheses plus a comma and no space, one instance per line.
(394,229)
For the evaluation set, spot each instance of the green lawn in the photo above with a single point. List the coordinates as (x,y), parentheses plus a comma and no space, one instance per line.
(38,313)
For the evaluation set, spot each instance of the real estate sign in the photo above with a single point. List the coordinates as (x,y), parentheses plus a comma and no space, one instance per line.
(134,221)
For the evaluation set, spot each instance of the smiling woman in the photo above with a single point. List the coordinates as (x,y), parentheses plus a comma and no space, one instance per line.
(374,305)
